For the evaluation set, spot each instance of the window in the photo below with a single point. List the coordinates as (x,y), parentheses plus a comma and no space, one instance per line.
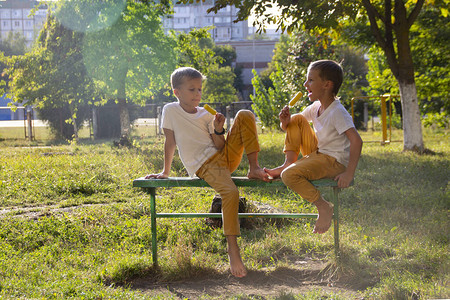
(6,14)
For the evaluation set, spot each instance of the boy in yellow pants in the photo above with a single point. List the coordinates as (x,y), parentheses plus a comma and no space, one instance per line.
(206,153)
(331,150)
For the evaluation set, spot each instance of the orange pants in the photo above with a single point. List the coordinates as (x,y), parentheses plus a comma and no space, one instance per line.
(314,165)
(216,171)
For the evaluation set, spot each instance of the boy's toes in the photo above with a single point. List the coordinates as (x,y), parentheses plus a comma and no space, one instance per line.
(239,272)
(324,220)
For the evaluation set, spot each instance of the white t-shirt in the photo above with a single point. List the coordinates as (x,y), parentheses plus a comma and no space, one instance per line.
(329,128)
(192,134)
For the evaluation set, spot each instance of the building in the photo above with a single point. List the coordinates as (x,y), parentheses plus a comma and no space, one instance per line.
(189,16)
(16,16)
(251,52)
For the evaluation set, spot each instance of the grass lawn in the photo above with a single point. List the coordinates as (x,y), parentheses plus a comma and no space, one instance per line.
(72,226)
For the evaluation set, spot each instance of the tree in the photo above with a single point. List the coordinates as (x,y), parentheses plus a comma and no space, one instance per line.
(386,23)
(267,102)
(197,49)
(52,75)
(431,53)
(125,49)
(14,44)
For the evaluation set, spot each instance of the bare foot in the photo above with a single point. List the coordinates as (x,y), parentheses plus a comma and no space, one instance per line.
(275,172)
(325,209)
(237,267)
(290,158)
(258,173)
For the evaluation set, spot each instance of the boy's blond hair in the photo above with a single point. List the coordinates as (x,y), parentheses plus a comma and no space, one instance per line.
(177,77)
(329,70)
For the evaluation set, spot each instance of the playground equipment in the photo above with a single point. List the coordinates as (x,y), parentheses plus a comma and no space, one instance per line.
(383,99)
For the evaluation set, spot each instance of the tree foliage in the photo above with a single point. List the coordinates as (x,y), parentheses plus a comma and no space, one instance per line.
(51,76)
(197,49)
(129,57)
(268,102)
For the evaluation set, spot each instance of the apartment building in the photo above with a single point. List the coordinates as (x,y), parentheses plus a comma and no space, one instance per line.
(252,51)
(189,16)
(15,16)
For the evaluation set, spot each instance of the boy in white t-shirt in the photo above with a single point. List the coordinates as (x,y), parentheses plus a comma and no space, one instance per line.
(206,153)
(332,150)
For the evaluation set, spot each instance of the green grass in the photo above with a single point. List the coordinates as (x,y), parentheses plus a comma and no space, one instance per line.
(394,228)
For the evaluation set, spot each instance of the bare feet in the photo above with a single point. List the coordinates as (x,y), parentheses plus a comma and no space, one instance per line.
(275,172)
(325,209)
(237,267)
(290,158)
(258,173)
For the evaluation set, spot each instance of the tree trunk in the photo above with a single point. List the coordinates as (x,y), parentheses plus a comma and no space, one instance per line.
(124,117)
(74,124)
(412,125)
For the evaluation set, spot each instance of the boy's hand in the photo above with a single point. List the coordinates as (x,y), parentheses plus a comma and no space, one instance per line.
(219,121)
(157,176)
(285,117)
(344,179)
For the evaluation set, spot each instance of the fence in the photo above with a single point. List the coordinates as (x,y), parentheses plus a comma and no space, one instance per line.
(384,114)
(146,120)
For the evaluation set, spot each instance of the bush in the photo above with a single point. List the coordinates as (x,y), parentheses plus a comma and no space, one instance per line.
(56,118)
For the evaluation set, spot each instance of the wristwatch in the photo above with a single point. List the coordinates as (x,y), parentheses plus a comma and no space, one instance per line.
(219,133)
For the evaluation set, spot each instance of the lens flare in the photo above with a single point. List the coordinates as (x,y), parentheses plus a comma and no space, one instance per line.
(89,15)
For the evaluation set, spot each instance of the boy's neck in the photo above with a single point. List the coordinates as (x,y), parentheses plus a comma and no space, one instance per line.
(326,102)
(188,108)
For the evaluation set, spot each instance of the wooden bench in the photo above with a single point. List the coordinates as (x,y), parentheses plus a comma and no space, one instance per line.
(150,185)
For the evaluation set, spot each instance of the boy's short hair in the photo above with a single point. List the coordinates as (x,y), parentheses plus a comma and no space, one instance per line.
(329,70)
(177,77)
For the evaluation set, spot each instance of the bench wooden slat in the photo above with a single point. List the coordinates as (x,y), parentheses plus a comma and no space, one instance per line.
(239,181)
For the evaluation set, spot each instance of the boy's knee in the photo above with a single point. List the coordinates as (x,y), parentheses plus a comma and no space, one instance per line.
(245,113)
(299,119)
(287,175)
(290,176)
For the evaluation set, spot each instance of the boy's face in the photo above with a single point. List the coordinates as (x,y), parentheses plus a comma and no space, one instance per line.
(315,85)
(189,93)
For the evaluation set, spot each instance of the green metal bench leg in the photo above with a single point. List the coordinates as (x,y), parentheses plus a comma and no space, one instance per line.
(336,191)
(152,192)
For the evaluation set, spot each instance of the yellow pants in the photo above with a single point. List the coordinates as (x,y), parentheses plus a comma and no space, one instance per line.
(216,171)
(314,165)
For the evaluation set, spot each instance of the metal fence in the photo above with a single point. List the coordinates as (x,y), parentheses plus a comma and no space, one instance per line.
(146,120)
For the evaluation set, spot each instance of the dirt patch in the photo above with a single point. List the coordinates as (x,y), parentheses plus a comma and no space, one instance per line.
(302,276)
(36,212)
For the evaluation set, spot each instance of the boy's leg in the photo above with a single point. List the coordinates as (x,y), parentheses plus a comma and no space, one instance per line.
(300,138)
(312,167)
(216,174)
(244,136)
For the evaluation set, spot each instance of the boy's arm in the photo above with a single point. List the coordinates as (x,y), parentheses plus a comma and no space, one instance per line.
(344,179)
(169,151)
(218,140)
(285,118)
